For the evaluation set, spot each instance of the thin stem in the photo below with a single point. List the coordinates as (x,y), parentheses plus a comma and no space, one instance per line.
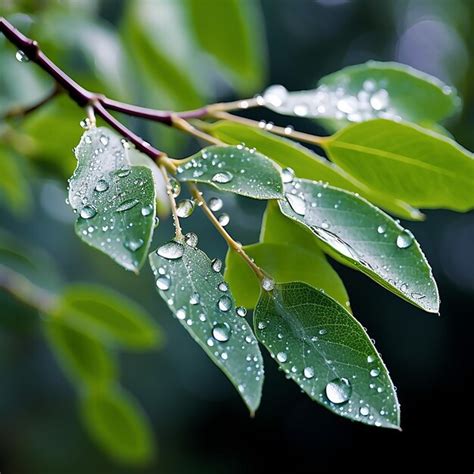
(283,131)
(25,291)
(181,124)
(227,237)
(235,105)
(169,190)
(21,111)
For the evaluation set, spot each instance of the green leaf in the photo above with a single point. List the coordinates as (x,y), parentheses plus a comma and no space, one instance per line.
(86,360)
(230,31)
(196,293)
(368,91)
(115,200)
(327,353)
(117,423)
(287,253)
(107,315)
(358,234)
(236,169)
(418,166)
(306,164)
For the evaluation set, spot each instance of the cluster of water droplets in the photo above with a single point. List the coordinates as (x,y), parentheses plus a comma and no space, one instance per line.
(372,100)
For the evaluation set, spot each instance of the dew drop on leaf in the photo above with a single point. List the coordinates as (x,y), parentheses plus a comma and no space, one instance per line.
(222,286)
(171,251)
(241,311)
(374,372)
(146,210)
(223,219)
(133,244)
(296,203)
(221,332)
(101,186)
(181,313)
(215,204)
(216,265)
(287,175)
(364,411)
(268,284)
(175,187)
(381,229)
(194,299)
(163,282)
(185,208)
(223,177)
(88,212)
(191,239)
(127,205)
(308,372)
(282,357)
(224,303)
(339,391)
(404,239)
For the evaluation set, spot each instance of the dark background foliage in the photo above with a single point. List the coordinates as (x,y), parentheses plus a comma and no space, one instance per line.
(201,424)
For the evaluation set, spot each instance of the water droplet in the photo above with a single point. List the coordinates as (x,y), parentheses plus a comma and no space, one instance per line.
(275,95)
(194,298)
(216,265)
(404,239)
(104,140)
(224,303)
(133,244)
(370,359)
(296,203)
(185,208)
(221,332)
(381,229)
(174,187)
(222,177)
(374,372)
(163,282)
(85,123)
(21,56)
(127,205)
(282,357)
(101,186)
(88,212)
(181,313)
(288,130)
(222,286)
(301,110)
(241,311)
(171,251)
(322,332)
(215,204)
(379,99)
(147,210)
(339,391)
(124,172)
(287,175)
(268,284)
(223,219)
(364,411)
(261,325)
(308,372)
(191,239)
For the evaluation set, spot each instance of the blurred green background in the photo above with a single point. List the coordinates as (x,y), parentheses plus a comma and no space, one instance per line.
(163,54)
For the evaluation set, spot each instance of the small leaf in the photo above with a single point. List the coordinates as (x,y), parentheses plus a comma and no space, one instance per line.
(83,358)
(307,164)
(368,91)
(418,166)
(327,353)
(229,30)
(287,253)
(115,200)
(107,315)
(358,234)
(235,169)
(118,425)
(196,293)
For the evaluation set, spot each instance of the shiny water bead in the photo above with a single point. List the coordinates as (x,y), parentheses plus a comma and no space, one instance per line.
(174,187)
(296,203)
(222,286)
(163,282)
(104,140)
(221,332)
(308,372)
(21,56)
(339,391)
(215,204)
(241,311)
(287,175)
(88,212)
(275,95)
(404,239)
(146,210)
(224,303)
(185,208)
(101,186)
(191,239)
(133,244)
(127,205)
(223,219)
(181,313)
(381,229)
(216,265)
(171,250)
(223,177)
(364,411)
(195,298)
(268,284)
(374,372)
(282,357)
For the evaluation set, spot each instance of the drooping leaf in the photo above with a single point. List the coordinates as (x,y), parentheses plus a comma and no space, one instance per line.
(358,234)
(236,169)
(418,166)
(198,296)
(85,360)
(287,253)
(107,315)
(117,423)
(368,91)
(327,353)
(229,31)
(114,199)
(307,164)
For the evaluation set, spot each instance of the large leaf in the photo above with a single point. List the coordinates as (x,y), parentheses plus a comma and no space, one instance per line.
(418,166)
(367,91)
(361,235)
(115,200)
(108,315)
(229,31)
(196,293)
(327,353)
(116,422)
(236,169)
(85,359)
(287,252)
(307,164)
